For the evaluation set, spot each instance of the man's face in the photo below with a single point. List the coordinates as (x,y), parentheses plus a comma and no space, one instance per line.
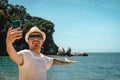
(35,40)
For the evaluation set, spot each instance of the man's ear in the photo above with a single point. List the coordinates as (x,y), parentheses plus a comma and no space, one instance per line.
(28,42)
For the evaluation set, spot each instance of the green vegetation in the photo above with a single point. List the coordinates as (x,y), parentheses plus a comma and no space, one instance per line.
(9,12)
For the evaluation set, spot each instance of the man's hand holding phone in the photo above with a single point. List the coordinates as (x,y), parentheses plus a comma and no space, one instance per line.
(14,32)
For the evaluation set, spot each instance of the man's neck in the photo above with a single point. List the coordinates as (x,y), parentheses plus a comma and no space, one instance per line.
(37,51)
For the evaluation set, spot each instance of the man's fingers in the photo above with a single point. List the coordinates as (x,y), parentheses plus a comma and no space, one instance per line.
(18,37)
(9,30)
(15,34)
(74,61)
(69,61)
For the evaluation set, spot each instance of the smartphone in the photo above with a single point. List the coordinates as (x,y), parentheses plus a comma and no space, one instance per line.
(16,24)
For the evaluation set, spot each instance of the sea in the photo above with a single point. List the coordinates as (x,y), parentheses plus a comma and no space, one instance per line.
(95,66)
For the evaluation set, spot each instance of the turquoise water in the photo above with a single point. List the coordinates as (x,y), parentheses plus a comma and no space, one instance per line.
(97,66)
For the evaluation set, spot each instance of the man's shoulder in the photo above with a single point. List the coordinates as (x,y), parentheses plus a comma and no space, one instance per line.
(46,57)
(24,51)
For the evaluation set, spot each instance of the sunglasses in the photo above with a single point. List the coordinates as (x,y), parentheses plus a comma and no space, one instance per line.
(32,37)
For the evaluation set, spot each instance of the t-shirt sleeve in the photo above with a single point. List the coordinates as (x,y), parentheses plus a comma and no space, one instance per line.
(25,59)
(49,62)
(21,52)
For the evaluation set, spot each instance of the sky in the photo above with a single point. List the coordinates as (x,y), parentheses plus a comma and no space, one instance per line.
(83,25)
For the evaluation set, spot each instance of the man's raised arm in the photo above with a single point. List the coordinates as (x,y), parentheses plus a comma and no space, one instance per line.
(12,35)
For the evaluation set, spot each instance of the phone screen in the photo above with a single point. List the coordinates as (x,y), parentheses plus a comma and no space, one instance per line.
(16,24)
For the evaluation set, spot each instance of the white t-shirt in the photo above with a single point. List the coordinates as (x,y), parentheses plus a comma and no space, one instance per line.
(35,66)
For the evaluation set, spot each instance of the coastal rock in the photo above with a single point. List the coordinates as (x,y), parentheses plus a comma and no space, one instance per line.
(61,51)
(82,54)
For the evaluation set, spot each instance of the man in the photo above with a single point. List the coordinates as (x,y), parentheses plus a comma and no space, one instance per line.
(33,65)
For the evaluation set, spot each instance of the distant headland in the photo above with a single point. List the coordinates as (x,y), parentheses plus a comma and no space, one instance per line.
(61,52)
